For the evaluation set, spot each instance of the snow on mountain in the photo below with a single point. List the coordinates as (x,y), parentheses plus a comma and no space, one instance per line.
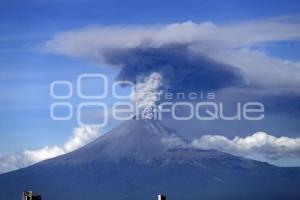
(134,161)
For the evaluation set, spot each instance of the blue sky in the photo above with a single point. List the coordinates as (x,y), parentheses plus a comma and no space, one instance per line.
(26,71)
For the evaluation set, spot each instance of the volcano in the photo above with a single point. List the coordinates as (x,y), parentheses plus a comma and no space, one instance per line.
(134,161)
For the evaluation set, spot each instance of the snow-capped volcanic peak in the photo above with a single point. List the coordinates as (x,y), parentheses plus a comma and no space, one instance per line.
(134,139)
(133,159)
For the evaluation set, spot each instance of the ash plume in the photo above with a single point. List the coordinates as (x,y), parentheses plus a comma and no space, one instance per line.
(147,92)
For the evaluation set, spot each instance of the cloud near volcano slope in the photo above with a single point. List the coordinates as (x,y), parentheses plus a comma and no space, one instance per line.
(260,145)
(80,137)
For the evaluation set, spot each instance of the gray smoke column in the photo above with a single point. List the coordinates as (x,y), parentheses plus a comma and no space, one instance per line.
(147,92)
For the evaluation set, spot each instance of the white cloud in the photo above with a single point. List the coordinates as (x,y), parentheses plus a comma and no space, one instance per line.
(231,44)
(94,41)
(268,146)
(81,136)
(282,151)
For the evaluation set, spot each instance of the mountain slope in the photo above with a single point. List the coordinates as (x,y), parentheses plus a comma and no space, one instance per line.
(133,162)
